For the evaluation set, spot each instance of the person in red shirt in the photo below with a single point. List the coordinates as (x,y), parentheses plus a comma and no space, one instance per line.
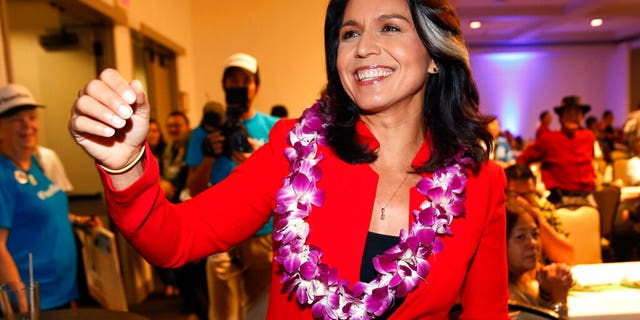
(383,200)
(566,157)
(543,126)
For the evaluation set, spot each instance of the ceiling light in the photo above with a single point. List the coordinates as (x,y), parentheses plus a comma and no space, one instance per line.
(596,22)
(475,24)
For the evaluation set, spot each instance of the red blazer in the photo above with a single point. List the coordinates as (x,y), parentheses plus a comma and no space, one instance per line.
(472,268)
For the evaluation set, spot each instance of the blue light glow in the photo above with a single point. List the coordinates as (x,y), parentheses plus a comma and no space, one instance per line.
(506,88)
(515,57)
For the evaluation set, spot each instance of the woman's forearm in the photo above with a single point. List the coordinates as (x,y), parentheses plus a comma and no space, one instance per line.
(8,270)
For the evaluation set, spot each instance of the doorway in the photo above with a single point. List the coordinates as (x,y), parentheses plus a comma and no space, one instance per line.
(54,48)
(155,67)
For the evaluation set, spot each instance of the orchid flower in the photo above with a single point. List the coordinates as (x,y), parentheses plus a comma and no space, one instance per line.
(400,268)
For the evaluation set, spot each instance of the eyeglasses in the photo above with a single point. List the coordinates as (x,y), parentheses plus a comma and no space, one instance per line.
(527,194)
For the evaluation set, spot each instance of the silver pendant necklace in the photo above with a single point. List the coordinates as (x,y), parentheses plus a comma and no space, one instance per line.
(383,208)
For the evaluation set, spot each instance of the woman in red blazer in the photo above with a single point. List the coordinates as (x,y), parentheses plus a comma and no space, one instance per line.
(384,203)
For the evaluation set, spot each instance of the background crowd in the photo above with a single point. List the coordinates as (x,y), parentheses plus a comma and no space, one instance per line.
(564,175)
(561,168)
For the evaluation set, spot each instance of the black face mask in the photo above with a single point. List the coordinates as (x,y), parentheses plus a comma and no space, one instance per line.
(237,99)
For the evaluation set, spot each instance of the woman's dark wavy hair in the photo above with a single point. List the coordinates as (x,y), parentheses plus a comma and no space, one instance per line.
(451,98)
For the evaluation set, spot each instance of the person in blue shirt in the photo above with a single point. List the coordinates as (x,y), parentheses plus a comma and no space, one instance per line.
(502,152)
(242,274)
(34,212)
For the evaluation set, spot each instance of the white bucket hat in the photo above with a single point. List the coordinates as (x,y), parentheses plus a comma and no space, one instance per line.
(14,96)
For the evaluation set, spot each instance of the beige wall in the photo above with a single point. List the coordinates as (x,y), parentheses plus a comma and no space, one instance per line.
(172,21)
(54,79)
(286,36)
(3,57)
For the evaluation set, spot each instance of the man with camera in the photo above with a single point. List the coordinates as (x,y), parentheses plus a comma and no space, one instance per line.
(221,142)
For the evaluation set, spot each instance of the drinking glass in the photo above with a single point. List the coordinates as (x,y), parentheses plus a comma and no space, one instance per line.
(20,302)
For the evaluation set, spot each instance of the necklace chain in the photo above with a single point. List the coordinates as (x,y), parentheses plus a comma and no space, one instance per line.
(400,269)
(384,208)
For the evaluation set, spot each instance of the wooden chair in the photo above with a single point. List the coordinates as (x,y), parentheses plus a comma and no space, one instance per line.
(583,225)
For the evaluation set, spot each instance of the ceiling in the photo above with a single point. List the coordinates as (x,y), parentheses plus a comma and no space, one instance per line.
(548,22)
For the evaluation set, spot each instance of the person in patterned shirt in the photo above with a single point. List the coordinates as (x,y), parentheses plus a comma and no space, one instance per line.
(521,192)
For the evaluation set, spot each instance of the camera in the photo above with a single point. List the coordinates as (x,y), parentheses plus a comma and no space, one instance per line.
(234,131)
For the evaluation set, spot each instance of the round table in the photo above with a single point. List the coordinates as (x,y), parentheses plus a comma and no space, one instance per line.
(89,313)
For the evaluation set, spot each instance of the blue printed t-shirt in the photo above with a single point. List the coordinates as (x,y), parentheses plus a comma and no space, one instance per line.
(258,128)
(36,212)
(503,150)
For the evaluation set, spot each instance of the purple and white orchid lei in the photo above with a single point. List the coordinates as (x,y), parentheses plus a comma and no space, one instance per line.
(400,269)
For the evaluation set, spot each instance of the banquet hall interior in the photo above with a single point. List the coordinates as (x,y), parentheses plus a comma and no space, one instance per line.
(526,55)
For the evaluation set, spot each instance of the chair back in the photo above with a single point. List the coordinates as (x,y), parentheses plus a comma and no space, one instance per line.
(583,225)
(608,200)
(524,311)
(517,311)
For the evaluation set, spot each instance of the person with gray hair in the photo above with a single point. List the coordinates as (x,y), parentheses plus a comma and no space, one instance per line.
(384,202)
(36,235)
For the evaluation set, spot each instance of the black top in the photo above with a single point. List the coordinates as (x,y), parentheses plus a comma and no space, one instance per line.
(375,245)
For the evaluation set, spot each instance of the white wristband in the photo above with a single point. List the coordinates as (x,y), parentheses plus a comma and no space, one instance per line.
(128,166)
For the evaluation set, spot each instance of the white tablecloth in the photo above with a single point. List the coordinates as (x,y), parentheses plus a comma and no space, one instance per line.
(629,192)
(599,293)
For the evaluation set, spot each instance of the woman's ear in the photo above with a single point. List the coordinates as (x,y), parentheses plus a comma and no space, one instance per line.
(433,67)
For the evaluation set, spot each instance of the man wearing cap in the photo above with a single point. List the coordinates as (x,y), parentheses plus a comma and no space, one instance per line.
(242,275)
(241,71)
(34,212)
(566,157)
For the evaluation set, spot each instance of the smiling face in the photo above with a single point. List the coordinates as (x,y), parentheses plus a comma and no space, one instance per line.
(19,131)
(381,60)
(523,245)
(177,128)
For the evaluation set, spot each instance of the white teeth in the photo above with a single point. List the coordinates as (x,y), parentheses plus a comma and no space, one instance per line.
(370,74)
